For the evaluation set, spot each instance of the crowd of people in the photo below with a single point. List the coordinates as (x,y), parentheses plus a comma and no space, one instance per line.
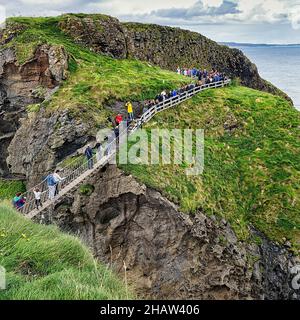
(202,75)
(53,180)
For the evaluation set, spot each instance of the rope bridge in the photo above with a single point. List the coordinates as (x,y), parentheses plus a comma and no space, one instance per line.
(78,169)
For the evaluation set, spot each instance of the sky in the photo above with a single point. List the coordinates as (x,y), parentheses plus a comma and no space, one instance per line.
(251,21)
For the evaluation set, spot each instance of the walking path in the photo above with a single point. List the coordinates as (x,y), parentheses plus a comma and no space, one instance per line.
(77,171)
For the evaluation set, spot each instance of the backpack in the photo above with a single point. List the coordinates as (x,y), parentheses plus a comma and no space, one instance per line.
(51,181)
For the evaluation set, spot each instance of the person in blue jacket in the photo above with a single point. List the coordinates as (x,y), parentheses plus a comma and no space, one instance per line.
(51,182)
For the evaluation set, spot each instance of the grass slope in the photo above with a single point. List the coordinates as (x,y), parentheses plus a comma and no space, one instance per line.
(8,189)
(251,174)
(43,263)
(95,80)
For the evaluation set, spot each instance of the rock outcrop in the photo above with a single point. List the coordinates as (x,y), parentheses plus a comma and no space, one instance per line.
(42,141)
(163,46)
(168,254)
(23,85)
(101,33)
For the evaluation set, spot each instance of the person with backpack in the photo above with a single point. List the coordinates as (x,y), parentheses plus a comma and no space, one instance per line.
(16,199)
(19,201)
(89,155)
(51,182)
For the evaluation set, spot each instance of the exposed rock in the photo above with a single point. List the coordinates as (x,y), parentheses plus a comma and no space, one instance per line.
(101,33)
(42,141)
(11,30)
(163,46)
(169,254)
(18,87)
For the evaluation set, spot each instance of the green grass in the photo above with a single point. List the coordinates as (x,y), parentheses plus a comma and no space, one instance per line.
(251,174)
(86,189)
(94,80)
(8,189)
(43,263)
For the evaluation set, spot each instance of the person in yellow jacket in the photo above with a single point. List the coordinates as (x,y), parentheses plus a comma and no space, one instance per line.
(129,110)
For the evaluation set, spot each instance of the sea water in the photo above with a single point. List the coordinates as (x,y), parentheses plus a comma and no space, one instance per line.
(279,65)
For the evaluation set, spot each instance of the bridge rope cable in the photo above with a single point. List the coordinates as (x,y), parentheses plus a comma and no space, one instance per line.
(80,166)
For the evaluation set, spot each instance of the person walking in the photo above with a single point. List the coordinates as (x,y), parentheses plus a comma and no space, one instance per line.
(89,155)
(16,199)
(129,111)
(118,119)
(58,180)
(51,185)
(19,201)
(37,197)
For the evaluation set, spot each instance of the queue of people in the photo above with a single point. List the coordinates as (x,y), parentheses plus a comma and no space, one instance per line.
(202,75)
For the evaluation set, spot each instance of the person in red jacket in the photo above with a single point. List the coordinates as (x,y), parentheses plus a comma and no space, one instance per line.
(118,119)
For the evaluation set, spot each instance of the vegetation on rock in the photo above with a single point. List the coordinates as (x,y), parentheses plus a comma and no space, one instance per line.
(95,81)
(252,157)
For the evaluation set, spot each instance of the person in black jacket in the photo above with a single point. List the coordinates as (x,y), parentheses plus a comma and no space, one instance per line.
(89,155)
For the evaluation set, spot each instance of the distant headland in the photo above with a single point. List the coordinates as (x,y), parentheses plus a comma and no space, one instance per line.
(238,44)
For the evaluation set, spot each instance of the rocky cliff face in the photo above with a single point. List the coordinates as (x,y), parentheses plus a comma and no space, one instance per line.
(169,254)
(103,34)
(22,85)
(163,46)
(42,141)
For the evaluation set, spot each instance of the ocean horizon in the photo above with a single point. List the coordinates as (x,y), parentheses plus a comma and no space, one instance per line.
(278,64)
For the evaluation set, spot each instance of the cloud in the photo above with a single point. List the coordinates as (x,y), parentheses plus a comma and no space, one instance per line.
(225,12)
(192,14)
(173,12)
(294,17)
(199,9)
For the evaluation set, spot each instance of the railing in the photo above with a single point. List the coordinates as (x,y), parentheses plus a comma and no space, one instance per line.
(80,165)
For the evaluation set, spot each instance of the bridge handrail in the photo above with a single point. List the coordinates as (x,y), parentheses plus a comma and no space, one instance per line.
(78,166)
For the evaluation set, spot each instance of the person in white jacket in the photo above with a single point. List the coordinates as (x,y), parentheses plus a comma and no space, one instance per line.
(37,197)
(58,179)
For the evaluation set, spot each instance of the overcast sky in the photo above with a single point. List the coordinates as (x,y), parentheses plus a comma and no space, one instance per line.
(256,21)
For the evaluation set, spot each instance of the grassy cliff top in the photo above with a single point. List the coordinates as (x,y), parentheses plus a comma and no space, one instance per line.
(251,174)
(94,80)
(43,263)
